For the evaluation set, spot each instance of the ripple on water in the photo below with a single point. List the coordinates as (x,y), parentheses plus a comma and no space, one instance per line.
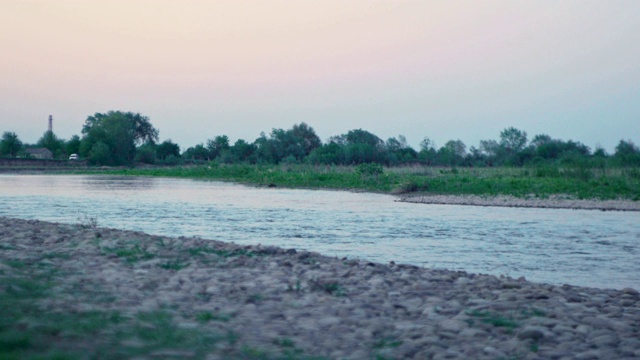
(583,247)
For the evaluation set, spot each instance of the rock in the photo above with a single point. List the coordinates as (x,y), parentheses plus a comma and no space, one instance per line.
(454,326)
(532,332)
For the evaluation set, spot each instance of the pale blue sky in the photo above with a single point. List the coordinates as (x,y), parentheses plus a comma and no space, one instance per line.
(443,69)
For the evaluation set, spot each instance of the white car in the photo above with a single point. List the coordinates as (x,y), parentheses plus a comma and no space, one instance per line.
(73,157)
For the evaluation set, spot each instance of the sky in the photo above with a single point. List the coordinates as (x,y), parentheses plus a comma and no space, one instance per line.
(445,70)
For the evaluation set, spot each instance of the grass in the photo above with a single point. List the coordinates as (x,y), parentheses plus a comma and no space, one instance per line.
(130,254)
(29,330)
(535,181)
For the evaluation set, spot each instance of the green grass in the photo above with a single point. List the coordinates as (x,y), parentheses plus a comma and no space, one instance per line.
(541,181)
(130,254)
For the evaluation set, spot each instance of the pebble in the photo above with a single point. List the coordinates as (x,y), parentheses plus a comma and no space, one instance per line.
(327,307)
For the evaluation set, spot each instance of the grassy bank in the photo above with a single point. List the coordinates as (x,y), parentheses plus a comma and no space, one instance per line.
(544,181)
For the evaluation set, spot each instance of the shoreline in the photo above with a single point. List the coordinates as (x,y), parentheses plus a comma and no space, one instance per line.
(552,202)
(216,300)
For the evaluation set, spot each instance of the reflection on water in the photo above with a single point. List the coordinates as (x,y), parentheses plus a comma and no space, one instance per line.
(579,247)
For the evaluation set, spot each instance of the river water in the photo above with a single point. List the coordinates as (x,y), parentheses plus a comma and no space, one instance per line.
(578,247)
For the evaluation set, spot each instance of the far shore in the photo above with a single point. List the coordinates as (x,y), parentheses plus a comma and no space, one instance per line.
(552,202)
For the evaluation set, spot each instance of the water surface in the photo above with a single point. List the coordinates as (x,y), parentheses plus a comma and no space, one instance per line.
(579,247)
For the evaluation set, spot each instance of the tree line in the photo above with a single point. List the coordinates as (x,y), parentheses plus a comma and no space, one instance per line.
(124,138)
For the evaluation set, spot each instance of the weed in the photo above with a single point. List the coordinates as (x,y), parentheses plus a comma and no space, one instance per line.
(387,343)
(174,265)
(284,342)
(494,319)
(205,317)
(130,254)
(87,222)
(331,288)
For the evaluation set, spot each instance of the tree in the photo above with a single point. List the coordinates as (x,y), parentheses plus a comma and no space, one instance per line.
(10,144)
(306,137)
(218,145)
(73,145)
(452,153)
(627,153)
(50,141)
(140,125)
(513,140)
(166,149)
(199,152)
(116,133)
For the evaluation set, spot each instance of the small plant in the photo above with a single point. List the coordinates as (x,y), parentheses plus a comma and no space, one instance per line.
(206,316)
(87,222)
(131,254)
(370,169)
(494,319)
(387,343)
(332,288)
(174,265)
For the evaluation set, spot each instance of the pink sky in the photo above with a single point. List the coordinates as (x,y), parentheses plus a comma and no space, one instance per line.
(443,69)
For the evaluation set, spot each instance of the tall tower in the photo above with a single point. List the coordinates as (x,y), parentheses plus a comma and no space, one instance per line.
(51,123)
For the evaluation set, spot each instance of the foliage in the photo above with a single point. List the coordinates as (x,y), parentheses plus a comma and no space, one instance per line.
(10,145)
(111,138)
(50,141)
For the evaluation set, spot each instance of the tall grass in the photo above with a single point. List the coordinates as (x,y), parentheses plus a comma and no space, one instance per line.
(580,182)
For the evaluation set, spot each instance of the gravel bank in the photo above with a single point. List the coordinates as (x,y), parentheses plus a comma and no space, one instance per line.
(553,202)
(267,302)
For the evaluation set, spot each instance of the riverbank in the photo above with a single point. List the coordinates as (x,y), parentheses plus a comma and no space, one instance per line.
(552,202)
(534,187)
(81,291)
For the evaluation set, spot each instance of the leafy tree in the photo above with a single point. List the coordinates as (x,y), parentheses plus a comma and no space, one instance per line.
(198,152)
(452,153)
(513,140)
(307,137)
(146,153)
(73,145)
(10,144)
(399,151)
(141,127)
(166,149)
(242,151)
(428,152)
(118,132)
(294,144)
(627,153)
(50,141)
(218,146)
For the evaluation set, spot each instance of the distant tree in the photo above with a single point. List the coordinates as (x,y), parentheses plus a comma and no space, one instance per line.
(198,152)
(218,146)
(146,153)
(512,142)
(167,149)
(452,153)
(10,144)
(398,150)
(294,144)
(118,132)
(627,153)
(306,137)
(428,152)
(242,151)
(50,141)
(73,145)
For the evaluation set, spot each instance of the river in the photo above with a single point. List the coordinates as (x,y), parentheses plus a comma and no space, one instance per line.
(557,246)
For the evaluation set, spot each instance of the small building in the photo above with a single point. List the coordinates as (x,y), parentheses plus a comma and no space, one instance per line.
(39,153)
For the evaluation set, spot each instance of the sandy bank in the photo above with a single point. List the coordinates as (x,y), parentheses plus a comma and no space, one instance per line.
(553,202)
(195,298)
